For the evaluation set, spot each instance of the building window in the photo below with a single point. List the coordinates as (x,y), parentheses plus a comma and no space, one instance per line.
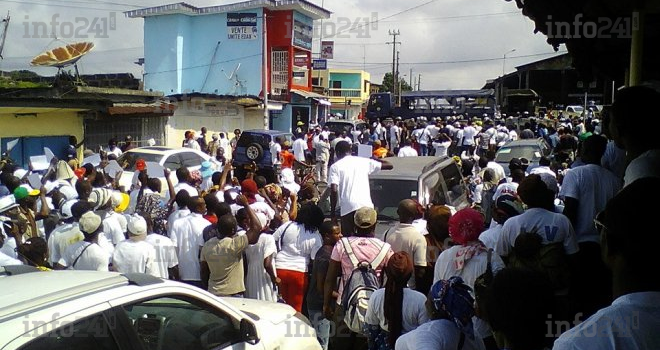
(317,81)
(279,72)
(336,84)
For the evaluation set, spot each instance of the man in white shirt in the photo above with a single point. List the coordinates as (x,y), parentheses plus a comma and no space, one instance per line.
(586,191)
(405,237)
(395,137)
(629,131)
(101,198)
(299,148)
(167,262)
(275,149)
(506,206)
(543,168)
(113,149)
(225,145)
(513,135)
(87,254)
(492,164)
(629,249)
(134,255)
(467,142)
(349,184)
(185,180)
(406,150)
(191,141)
(181,211)
(322,147)
(187,237)
(68,232)
(539,218)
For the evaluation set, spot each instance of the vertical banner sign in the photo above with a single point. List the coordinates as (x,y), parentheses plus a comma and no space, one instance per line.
(242,26)
(303,31)
(327,49)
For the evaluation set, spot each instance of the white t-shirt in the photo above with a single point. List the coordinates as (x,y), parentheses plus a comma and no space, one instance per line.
(506,188)
(298,246)
(542,170)
(93,258)
(593,186)
(433,131)
(182,186)
(469,133)
(407,151)
(135,257)
(437,334)
(407,238)
(165,254)
(513,135)
(413,310)
(299,147)
(187,237)
(62,237)
(275,149)
(614,159)
(499,170)
(112,229)
(441,148)
(646,165)
(631,323)
(351,175)
(356,134)
(394,133)
(552,227)
(264,208)
(473,268)
(117,152)
(490,237)
(177,214)
(6,260)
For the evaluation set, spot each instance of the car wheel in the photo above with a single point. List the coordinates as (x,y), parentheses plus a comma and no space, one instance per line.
(254,152)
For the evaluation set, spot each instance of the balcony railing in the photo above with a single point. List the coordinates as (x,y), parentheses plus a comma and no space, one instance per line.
(345,93)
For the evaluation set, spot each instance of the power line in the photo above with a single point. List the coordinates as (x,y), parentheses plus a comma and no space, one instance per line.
(433,19)
(59,5)
(460,61)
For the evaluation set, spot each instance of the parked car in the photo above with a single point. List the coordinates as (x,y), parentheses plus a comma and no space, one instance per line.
(253,153)
(61,310)
(531,149)
(436,180)
(170,158)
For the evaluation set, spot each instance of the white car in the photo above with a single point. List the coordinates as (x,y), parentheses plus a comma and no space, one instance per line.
(170,158)
(61,310)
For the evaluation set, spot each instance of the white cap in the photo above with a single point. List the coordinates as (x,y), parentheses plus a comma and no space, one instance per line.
(137,225)
(66,209)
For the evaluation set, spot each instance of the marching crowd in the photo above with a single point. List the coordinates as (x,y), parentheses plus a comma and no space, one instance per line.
(551,257)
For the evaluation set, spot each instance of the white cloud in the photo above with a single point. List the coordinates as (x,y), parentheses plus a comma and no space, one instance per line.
(443,31)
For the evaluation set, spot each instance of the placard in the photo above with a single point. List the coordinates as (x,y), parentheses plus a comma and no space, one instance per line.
(155,170)
(49,154)
(39,163)
(365,151)
(94,159)
(35,181)
(112,168)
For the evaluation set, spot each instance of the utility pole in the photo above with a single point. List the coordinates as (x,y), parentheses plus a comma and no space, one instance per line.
(3,36)
(419,82)
(397,80)
(394,33)
(412,85)
(265,75)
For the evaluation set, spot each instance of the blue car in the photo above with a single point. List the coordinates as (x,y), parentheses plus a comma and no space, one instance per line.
(253,154)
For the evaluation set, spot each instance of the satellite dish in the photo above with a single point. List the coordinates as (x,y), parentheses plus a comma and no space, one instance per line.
(63,56)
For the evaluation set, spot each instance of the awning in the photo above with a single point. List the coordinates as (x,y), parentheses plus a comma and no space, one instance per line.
(312,95)
(275,106)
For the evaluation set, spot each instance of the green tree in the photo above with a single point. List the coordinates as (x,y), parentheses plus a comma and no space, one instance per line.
(387,83)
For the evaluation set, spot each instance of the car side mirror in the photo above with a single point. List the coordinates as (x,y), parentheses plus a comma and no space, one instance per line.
(249,332)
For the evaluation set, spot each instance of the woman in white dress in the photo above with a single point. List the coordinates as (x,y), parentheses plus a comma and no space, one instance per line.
(261,278)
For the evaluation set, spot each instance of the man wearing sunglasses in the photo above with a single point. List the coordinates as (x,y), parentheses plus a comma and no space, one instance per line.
(630,249)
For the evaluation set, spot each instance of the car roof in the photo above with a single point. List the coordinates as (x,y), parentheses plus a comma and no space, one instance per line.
(522,142)
(408,168)
(267,132)
(341,121)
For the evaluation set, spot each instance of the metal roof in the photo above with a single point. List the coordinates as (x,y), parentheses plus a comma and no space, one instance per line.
(408,168)
(303,6)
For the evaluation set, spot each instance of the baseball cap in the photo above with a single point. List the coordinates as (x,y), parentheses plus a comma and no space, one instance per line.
(207,169)
(22,192)
(137,225)
(515,163)
(300,124)
(7,203)
(365,217)
(509,204)
(89,223)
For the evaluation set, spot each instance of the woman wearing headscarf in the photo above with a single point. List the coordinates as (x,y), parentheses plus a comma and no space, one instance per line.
(395,309)
(469,257)
(450,306)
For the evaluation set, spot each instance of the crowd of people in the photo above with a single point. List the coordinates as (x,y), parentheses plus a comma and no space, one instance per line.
(550,257)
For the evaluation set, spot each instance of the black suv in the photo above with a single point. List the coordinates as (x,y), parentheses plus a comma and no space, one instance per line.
(253,153)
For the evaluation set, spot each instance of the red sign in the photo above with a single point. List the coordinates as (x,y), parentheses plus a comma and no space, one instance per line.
(301,61)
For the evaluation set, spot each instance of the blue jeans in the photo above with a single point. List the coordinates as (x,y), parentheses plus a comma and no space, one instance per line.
(424,149)
(322,326)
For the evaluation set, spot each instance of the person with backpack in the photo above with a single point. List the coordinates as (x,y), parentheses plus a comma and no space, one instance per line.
(540,239)
(359,261)
(450,306)
(395,309)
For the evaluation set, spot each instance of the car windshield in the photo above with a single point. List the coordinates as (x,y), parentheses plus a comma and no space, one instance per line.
(337,128)
(386,195)
(505,154)
(128,159)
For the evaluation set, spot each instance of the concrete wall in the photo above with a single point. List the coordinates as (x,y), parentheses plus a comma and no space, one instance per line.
(218,118)
(50,123)
(186,54)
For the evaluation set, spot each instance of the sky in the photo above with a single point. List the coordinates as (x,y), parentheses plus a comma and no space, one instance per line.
(453,44)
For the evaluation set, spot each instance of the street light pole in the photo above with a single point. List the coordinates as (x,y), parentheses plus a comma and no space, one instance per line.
(504,60)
